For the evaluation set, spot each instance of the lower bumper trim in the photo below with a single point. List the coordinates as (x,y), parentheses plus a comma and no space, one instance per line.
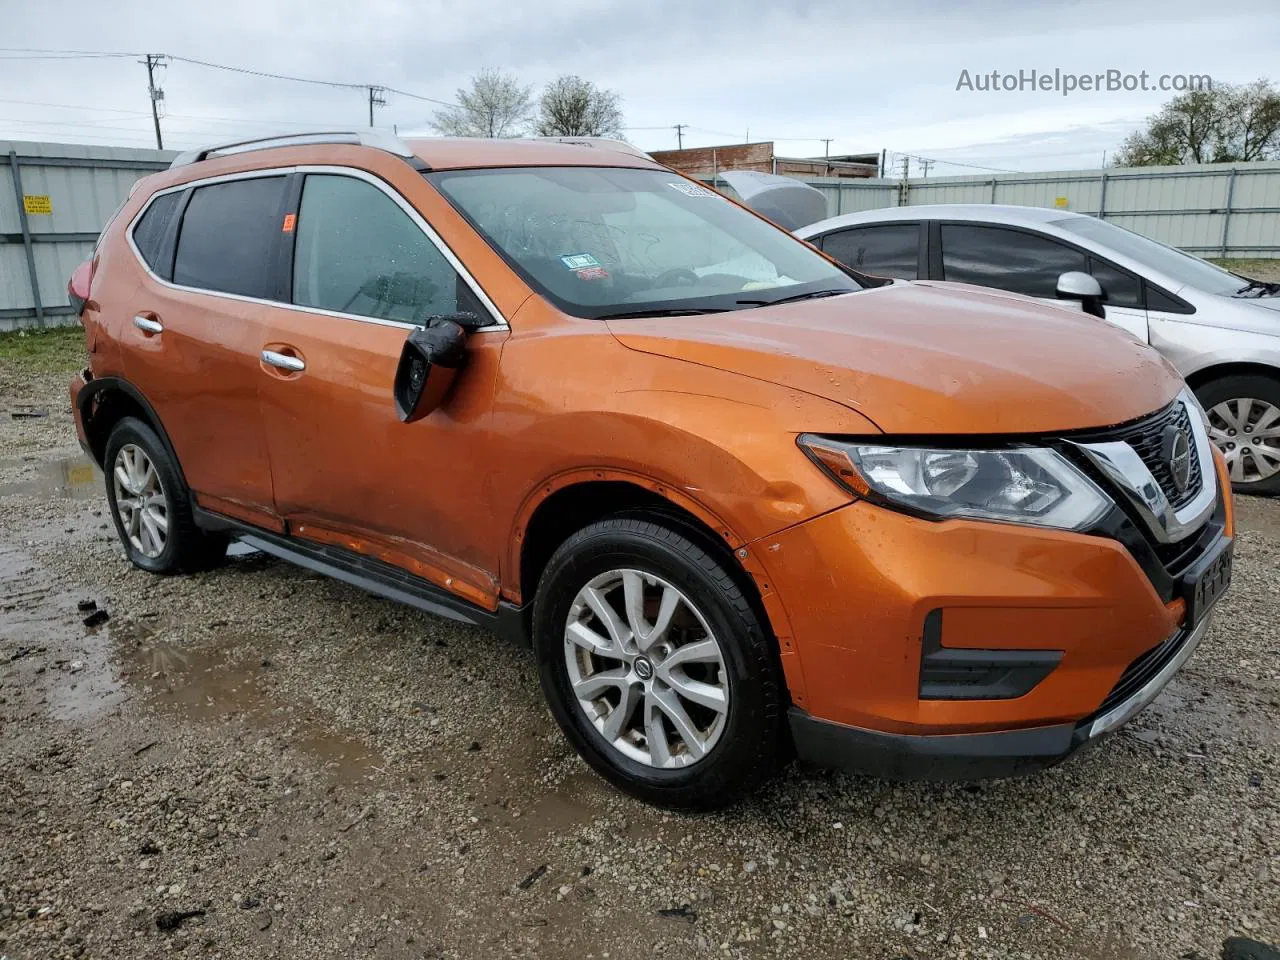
(970,756)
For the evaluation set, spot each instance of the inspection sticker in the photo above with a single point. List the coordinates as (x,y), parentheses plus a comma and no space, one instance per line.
(690,189)
(579,261)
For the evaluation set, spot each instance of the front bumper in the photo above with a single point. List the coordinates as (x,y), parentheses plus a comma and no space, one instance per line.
(1003,753)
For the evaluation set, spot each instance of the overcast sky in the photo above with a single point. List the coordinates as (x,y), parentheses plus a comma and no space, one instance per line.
(869,76)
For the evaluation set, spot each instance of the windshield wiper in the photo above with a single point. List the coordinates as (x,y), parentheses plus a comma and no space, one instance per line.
(794,298)
(1262,286)
(670,312)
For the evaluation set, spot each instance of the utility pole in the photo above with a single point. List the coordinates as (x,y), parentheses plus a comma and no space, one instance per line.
(155,60)
(906,166)
(826,153)
(925,164)
(680,135)
(884,153)
(376,99)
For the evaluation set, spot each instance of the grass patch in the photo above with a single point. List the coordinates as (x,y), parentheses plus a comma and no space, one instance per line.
(56,350)
(1256,269)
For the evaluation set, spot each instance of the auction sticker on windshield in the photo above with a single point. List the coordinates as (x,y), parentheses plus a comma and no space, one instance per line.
(579,261)
(691,189)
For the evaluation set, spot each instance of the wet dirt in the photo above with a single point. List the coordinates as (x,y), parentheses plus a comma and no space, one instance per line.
(323,774)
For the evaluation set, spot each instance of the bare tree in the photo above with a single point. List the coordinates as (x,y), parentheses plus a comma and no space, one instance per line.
(573,107)
(1228,124)
(495,106)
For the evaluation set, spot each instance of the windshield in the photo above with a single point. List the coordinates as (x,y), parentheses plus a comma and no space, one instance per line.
(1170,261)
(601,242)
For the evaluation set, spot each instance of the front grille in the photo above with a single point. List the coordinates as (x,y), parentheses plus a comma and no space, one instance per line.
(1139,673)
(1146,436)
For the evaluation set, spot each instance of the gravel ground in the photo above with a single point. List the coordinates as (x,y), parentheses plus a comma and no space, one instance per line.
(256,762)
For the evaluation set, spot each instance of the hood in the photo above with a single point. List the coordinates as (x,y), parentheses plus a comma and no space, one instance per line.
(1271,303)
(918,359)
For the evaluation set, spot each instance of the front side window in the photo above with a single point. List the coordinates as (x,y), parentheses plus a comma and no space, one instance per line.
(891,250)
(1119,288)
(228,235)
(358,252)
(1006,259)
(600,241)
(1168,260)
(148,232)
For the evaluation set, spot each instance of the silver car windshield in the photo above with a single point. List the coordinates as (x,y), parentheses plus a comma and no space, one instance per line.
(1170,261)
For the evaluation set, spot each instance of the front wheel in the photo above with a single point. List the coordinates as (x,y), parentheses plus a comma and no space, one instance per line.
(656,667)
(1244,423)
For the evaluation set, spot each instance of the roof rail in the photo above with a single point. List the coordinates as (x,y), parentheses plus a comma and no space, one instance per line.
(602,143)
(365,138)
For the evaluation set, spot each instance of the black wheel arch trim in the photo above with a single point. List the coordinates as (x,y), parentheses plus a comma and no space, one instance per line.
(102,385)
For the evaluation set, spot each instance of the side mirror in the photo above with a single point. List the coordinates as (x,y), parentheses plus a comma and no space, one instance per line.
(1077,285)
(429,360)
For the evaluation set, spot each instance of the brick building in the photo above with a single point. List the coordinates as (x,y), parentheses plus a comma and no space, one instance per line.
(760,157)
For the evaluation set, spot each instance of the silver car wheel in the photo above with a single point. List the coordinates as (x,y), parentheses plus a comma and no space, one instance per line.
(646,669)
(141,503)
(1247,431)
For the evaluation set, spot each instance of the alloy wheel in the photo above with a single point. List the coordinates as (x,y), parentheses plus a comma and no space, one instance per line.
(1247,431)
(646,669)
(141,503)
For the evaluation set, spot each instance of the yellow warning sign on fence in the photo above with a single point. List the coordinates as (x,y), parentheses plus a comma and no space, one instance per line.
(1060,202)
(36,204)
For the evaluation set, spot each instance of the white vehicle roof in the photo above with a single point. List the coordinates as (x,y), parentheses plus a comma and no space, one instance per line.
(985,212)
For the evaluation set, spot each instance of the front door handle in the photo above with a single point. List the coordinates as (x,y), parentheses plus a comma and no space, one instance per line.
(147,325)
(283,361)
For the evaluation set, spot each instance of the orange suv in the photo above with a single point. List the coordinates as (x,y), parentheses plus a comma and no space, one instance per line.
(742,501)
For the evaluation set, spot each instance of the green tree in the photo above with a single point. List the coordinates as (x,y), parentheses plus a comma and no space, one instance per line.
(573,107)
(1230,123)
(496,105)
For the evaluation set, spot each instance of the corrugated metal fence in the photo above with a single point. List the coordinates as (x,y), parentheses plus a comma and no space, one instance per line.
(54,200)
(1213,210)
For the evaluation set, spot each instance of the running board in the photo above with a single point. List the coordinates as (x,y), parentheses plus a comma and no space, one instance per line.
(375,576)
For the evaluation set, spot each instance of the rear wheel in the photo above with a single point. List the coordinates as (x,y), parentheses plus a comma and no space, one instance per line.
(151,506)
(1244,423)
(655,665)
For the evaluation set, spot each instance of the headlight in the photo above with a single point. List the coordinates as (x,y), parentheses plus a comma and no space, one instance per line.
(1026,485)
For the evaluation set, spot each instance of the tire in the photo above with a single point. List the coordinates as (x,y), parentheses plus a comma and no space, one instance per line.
(184,548)
(1223,400)
(743,740)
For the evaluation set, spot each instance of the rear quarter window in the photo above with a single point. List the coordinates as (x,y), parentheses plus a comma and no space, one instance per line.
(228,235)
(148,232)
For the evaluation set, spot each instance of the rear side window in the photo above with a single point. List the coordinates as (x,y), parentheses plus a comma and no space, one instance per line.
(227,234)
(1006,259)
(148,232)
(358,252)
(892,250)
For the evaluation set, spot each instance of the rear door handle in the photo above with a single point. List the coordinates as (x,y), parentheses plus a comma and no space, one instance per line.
(283,361)
(147,325)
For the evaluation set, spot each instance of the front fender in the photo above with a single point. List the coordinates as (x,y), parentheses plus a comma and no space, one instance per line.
(1195,347)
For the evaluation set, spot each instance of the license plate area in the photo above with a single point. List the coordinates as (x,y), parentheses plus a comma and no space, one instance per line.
(1205,583)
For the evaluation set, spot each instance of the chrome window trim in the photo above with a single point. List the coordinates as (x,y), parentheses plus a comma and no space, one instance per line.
(1122,465)
(499,322)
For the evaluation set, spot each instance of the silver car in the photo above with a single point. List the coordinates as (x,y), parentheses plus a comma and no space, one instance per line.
(1221,330)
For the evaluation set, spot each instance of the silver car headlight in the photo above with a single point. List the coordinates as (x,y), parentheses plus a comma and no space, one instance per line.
(1030,485)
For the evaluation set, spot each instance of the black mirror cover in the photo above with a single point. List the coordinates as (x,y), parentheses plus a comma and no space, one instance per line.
(429,360)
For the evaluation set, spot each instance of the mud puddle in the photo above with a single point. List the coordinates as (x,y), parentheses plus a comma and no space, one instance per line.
(60,662)
(213,686)
(71,478)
